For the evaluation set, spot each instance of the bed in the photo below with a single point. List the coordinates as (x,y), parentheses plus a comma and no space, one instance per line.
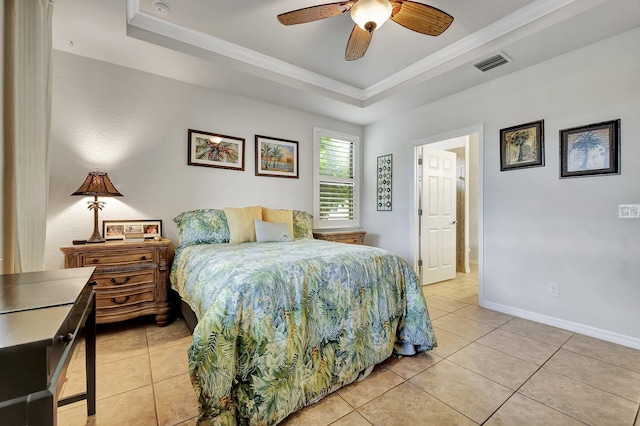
(280,325)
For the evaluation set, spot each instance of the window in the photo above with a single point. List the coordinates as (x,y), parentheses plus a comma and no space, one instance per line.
(336,189)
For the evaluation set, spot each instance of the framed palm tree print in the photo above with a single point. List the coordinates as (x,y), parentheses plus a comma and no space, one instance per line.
(589,150)
(276,157)
(215,150)
(522,146)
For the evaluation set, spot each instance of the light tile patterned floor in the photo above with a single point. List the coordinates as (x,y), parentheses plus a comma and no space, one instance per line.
(489,368)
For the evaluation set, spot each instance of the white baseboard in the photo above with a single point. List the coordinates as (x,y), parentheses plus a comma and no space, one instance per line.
(597,333)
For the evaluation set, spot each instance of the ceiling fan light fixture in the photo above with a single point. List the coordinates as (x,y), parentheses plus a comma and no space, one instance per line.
(371,14)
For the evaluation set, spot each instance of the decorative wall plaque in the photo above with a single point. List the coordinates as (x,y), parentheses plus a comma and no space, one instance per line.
(385,163)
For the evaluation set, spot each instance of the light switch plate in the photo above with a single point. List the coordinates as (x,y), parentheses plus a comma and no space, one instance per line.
(629,211)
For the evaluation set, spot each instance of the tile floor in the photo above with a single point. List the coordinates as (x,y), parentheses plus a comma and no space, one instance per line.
(489,368)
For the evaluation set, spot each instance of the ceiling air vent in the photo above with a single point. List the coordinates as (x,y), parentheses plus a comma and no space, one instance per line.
(161,7)
(492,62)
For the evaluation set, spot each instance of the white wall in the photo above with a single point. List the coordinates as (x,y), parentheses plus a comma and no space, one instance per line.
(538,228)
(133,125)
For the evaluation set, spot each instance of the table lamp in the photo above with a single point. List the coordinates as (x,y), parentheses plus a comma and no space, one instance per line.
(97,183)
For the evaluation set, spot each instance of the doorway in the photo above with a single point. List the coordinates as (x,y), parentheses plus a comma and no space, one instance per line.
(438,214)
(467,144)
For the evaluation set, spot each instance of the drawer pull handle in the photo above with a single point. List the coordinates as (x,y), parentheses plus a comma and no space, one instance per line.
(126,280)
(143,258)
(66,338)
(113,300)
(95,260)
(93,282)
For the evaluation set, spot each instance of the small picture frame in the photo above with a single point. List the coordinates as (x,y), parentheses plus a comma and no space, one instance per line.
(276,157)
(590,150)
(215,150)
(383,196)
(116,229)
(522,146)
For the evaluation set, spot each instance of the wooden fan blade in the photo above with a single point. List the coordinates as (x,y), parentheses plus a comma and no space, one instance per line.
(315,13)
(358,43)
(420,17)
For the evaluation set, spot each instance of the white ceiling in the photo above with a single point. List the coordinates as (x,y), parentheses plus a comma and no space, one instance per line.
(240,47)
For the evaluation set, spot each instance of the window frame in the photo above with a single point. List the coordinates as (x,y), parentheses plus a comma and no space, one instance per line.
(356,180)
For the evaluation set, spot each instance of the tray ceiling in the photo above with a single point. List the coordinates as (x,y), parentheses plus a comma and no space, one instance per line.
(240,47)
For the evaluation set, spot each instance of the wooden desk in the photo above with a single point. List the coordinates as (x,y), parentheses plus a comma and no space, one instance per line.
(42,314)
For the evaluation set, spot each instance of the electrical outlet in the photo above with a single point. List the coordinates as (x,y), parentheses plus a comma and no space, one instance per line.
(629,211)
(553,289)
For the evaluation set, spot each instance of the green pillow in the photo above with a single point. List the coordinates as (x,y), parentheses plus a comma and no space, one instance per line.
(302,224)
(203,226)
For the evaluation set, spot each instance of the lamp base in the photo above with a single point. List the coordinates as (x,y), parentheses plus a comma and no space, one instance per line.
(102,240)
(95,237)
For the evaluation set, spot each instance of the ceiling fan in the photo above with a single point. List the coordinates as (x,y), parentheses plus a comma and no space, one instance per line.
(370,15)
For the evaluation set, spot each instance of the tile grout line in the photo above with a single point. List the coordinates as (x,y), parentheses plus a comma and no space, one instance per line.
(570,378)
(513,391)
(475,341)
(591,384)
(419,388)
(524,383)
(153,386)
(533,338)
(446,358)
(516,391)
(598,359)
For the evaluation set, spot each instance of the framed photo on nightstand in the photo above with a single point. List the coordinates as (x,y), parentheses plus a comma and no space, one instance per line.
(116,229)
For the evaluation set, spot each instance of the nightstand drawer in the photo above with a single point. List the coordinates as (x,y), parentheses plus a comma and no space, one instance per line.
(348,239)
(118,258)
(124,279)
(118,299)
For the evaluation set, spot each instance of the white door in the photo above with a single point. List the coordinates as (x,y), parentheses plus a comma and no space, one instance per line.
(438,236)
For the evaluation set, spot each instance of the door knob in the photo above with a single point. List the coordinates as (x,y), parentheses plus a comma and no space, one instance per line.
(453,223)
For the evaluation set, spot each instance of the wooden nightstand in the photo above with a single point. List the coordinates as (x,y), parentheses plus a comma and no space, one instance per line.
(132,278)
(348,237)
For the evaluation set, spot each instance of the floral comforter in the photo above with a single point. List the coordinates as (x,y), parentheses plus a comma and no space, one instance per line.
(282,325)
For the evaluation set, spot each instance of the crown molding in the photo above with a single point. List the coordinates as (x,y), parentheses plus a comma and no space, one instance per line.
(145,21)
(499,28)
(505,25)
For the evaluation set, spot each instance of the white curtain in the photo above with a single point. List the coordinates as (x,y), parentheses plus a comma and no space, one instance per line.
(27,112)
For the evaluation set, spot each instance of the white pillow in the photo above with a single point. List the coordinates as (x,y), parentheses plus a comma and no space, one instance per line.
(267,231)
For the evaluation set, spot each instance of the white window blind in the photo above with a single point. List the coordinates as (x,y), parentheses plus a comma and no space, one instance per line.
(336,185)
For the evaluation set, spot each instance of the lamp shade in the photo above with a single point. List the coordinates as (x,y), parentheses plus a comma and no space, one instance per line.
(367,12)
(98,183)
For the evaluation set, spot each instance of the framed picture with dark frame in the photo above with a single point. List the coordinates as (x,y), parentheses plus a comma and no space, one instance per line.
(276,157)
(590,150)
(215,150)
(116,229)
(522,146)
